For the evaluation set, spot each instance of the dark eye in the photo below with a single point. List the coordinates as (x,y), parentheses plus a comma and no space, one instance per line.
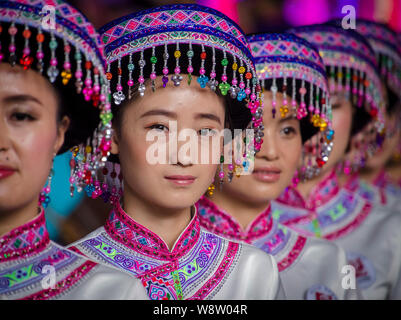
(21,116)
(206,132)
(158,127)
(287,131)
(336,105)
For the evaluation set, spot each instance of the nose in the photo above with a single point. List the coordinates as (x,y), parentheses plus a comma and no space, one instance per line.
(269,149)
(4,137)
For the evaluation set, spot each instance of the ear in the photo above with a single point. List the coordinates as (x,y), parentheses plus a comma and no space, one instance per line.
(115,149)
(62,128)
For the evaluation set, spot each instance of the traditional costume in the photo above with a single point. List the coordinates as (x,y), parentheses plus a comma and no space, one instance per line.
(32,266)
(309,268)
(368,233)
(170,41)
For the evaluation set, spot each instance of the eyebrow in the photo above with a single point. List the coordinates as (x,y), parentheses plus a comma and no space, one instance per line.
(288,117)
(21,98)
(169,114)
(159,112)
(210,116)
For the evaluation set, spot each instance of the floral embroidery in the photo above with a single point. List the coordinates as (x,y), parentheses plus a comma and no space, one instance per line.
(27,239)
(341,208)
(165,275)
(263,232)
(125,230)
(64,284)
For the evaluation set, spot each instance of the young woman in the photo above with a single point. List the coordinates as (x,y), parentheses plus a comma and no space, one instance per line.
(380,186)
(179,71)
(309,268)
(36,108)
(322,206)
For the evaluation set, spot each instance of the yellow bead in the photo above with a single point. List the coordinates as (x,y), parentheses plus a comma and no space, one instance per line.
(241,69)
(177,54)
(88,149)
(235,66)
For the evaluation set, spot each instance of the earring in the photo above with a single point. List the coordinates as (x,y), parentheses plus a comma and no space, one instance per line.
(210,189)
(44,198)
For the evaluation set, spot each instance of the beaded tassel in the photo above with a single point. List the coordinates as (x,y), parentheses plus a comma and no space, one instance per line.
(12,30)
(119,96)
(153,61)
(141,79)
(52,71)
(88,91)
(202,79)
(66,73)
(130,81)
(301,113)
(234,88)
(212,83)
(165,67)
(241,95)
(311,108)
(39,53)
(26,60)
(44,198)
(248,77)
(190,69)
(1,53)
(273,90)
(348,83)
(177,78)
(78,72)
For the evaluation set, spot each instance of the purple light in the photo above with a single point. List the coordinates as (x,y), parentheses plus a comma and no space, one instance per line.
(303,12)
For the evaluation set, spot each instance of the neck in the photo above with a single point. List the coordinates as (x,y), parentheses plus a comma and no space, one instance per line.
(306,188)
(394,171)
(370,175)
(167,223)
(244,212)
(14,218)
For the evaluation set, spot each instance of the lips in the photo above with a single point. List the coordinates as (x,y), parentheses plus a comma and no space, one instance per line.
(267,174)
(6,172)
(181,180)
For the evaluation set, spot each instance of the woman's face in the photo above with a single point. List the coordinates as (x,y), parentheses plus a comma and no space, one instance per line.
(181,180)
(383,155)
(29,135)
(276,162)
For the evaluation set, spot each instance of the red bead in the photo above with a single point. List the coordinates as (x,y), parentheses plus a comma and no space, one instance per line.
(88,65)
(248,75)
(203,55)
(105,171)
(119,71)
(109,75)
(40,37)
(26,33)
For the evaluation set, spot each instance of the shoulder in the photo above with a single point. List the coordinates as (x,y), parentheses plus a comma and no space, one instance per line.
(94,234)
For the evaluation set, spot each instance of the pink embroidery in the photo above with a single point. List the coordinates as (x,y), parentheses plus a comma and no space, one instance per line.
(186,241)
(28,239)
(293,255)
(224,266)
(259,227)
(321,193)
(64,284)
(351,226)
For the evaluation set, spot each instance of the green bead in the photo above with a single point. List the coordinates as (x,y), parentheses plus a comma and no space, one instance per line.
(190,54)
(53,44)
(78,55)
(221,159)
(153,59)
(224,62)
(131,66)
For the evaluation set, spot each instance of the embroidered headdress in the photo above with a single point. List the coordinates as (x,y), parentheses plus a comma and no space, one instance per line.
(291,65)
(352,70)
(56,40)
(173,40)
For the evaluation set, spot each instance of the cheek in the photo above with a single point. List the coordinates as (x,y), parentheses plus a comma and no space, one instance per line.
(342,128)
